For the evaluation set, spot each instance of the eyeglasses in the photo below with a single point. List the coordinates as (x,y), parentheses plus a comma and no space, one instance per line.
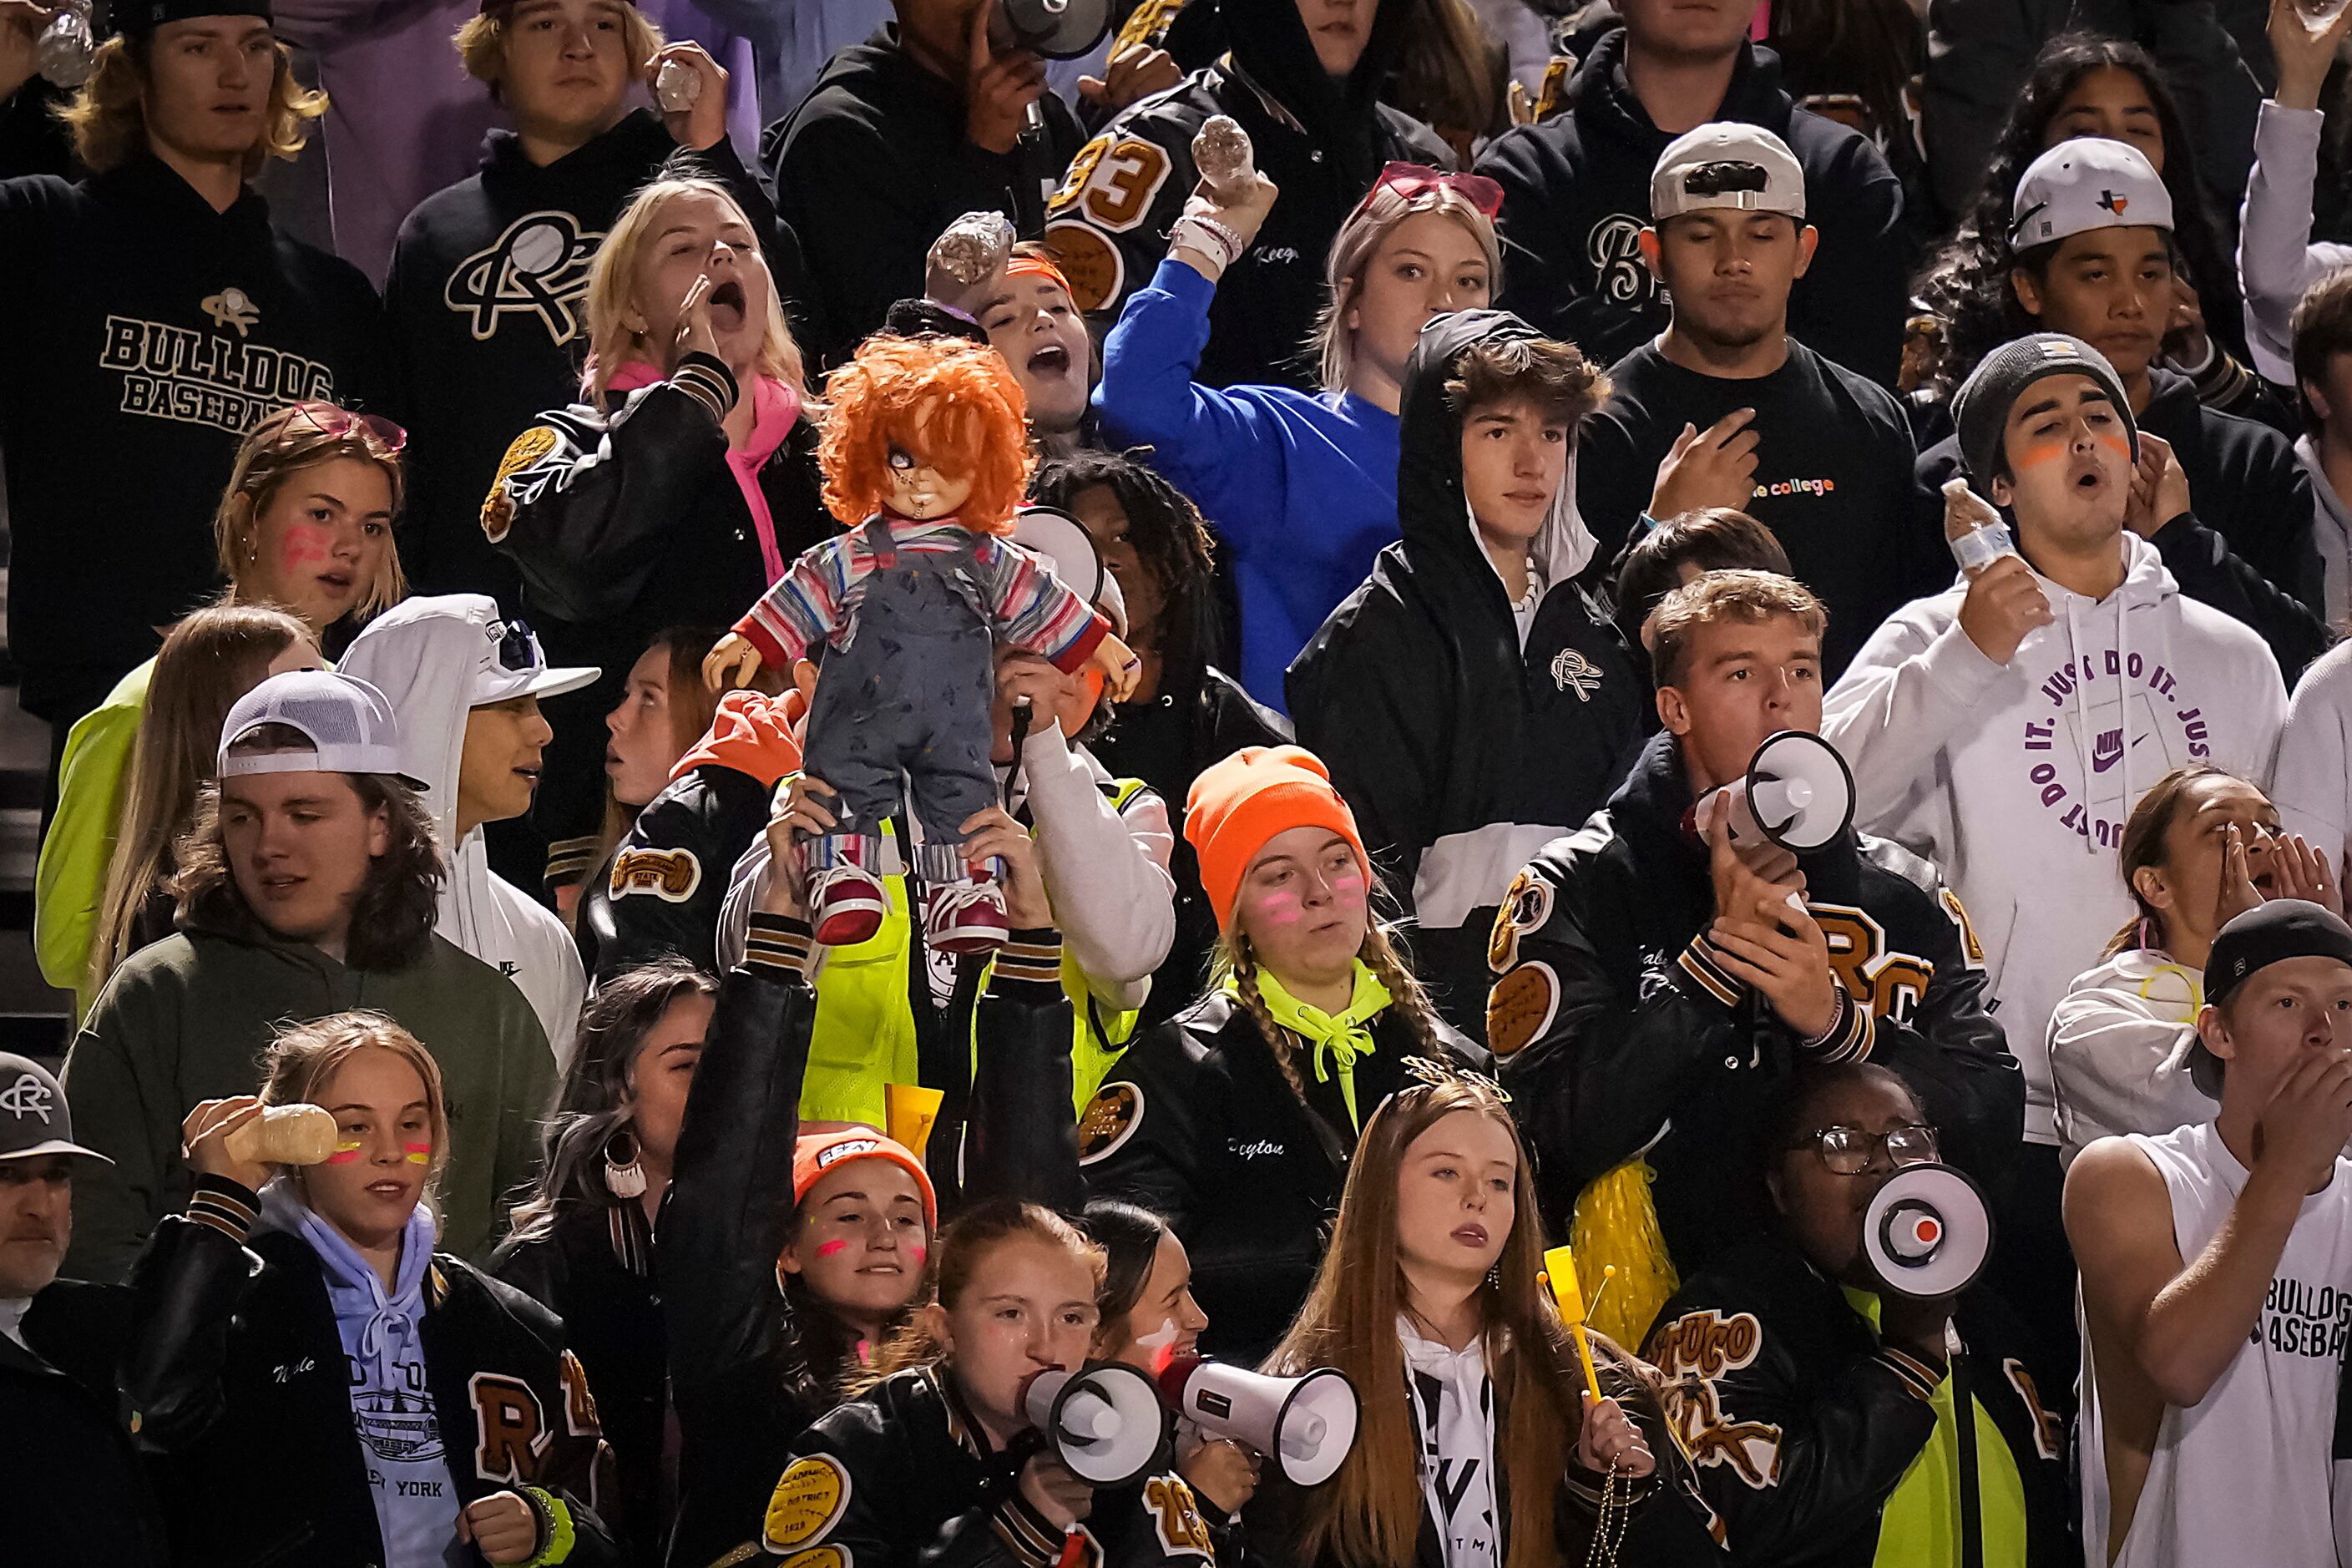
(1412,180)
(334,422)
(1848,1151)
(518,644)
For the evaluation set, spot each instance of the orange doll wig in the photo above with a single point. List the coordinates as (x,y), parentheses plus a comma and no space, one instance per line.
(954,406)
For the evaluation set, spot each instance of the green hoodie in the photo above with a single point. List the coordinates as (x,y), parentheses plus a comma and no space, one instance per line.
(186,1019)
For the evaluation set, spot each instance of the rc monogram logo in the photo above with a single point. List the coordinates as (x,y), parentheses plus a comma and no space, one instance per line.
(538,266)
(28,1096)
(1615,249)
(1574,672)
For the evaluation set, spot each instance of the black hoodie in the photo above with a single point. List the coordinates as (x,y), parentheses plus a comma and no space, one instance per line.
(1617,1034)
(1321,139)
(488,297)
(1462,752)
(151,332)
(1576,193)
(874,163)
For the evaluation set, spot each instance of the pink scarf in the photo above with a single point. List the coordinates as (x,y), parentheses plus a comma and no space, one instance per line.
(775,407)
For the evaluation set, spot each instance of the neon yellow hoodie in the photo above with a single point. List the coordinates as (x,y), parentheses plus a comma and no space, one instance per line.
(71,879)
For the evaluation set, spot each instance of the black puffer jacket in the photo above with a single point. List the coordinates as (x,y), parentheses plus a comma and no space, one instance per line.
(903,1477)
(1800,1422)
(750,1368)
(233,1368)
(1461,751)
(1616,1031)
(1322,140)
(627,522)
(1576,193)
(660,893)
(1198,1124)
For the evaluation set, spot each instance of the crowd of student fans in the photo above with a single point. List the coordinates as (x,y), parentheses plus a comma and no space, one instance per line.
(1368,895)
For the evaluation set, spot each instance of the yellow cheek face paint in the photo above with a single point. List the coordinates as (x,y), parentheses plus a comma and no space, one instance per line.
(345,1154)
(418,1154)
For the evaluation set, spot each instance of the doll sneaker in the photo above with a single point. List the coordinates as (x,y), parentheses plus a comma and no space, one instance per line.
(846,901)
(964,917)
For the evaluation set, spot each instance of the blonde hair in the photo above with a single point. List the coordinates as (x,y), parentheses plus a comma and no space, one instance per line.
(275,449)
(1333,342)
(1371,1511)
(482,43)
(108,117)
(1729,595)
(303,1060)
(612,275)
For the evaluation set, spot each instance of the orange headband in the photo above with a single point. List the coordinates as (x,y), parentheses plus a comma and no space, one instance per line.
(1036,266)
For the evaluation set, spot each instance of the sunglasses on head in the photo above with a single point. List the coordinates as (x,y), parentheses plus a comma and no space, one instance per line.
(518,644)
(335,422)
(1413,181)
(1723,178)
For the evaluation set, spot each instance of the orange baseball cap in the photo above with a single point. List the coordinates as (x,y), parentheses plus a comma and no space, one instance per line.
(1239,803)
(814,1154)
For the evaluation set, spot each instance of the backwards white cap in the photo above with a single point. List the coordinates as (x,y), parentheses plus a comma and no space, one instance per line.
(350,724)
(2086,184)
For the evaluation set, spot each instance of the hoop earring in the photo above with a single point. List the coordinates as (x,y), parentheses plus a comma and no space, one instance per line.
(624,1177)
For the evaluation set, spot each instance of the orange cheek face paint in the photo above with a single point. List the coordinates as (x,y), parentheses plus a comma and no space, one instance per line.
(345,1154)
(2037,453)
(418,1154)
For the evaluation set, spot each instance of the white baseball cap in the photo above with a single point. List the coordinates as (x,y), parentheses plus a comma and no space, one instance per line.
(511,664)
(2086,184)
(1068,550)
(350,724)
(1726,163)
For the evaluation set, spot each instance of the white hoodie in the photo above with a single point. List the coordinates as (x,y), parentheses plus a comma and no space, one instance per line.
(2119,1050)
(2015,779)
(421,654)
(2312,782)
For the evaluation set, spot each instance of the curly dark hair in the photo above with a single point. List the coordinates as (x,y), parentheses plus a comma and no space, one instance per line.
(1170,541)
(392,917)
(1966,283)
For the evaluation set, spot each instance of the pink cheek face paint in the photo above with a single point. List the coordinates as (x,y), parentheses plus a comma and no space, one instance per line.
(306,548)
(917,1253)
(418,1154)
(1281,907)
(1348,888)
(828,1248)
(345,1154)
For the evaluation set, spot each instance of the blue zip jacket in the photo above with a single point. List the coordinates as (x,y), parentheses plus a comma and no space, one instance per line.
(1302,488)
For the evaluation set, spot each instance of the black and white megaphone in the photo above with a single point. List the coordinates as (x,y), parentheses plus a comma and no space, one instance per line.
(1927,1232)
(1105,1420)
(1057,29)
(1797,793)
(1305,1423)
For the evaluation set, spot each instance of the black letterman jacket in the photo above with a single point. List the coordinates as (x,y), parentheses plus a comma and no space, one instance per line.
(747,1374)
(234,1370)
(1616,1032)
(903,1477)
(1198,1125)
(1800,1422)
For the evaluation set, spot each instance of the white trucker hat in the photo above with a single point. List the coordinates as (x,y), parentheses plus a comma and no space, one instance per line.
(350,724)
(1726,164)
(2086,184)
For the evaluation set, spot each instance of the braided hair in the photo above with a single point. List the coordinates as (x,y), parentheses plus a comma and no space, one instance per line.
(1380,953)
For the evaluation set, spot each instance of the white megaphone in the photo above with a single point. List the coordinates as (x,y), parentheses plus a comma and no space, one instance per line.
(1106,1421)
(1927,1233)
(1797,793)
(1058,29)
(1305,1424)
